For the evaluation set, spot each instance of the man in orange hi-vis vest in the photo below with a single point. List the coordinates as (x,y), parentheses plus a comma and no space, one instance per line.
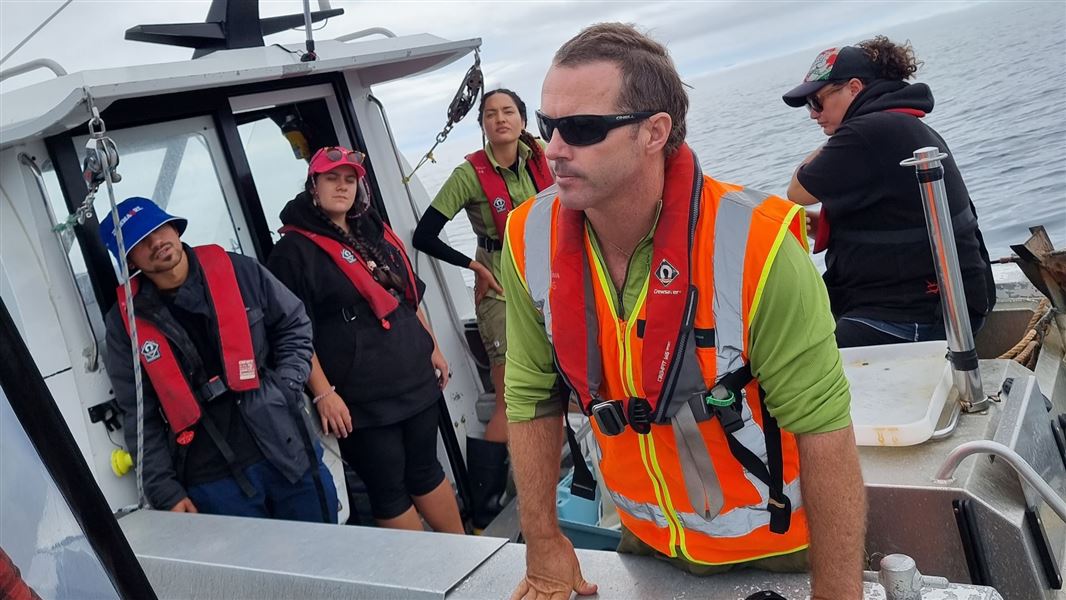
(684,317)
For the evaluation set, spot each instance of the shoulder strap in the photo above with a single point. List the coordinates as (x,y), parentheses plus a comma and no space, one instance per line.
(382,303)
(234,334)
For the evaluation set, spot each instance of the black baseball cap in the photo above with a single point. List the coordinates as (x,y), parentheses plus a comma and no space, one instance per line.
(831,66)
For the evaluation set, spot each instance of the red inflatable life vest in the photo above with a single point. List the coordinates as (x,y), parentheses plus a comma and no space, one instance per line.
(495,188)
(240,372)
(356,269)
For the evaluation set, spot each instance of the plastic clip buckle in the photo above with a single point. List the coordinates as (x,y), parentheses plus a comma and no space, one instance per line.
(609,417)
(214,388)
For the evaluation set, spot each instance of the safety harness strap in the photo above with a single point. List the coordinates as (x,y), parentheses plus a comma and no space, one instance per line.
(227,454)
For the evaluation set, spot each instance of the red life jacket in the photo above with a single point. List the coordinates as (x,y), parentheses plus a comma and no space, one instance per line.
(495,188)
(240,371)
(670,297)
(360,274)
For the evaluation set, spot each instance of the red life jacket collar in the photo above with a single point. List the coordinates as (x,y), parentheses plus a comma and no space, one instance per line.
(670,299)
(914,112)
(359,273)
(495,188)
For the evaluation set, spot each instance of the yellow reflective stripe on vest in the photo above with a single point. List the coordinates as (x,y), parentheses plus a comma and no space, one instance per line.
(741,520)
(781,234)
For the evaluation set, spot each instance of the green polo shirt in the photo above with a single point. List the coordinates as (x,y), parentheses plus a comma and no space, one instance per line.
(793,352)
(463,191)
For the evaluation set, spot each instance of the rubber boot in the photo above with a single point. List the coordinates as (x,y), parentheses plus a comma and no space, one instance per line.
(486,465)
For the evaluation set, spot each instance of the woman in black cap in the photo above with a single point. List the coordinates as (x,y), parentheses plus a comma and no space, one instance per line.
(377,373)
(879,267)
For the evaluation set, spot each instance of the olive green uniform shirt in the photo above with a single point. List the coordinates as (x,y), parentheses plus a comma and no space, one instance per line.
(463,191)
(793,352)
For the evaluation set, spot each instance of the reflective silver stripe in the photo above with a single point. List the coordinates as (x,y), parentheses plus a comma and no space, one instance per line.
(740,521)
(731,227)
(701,479)
(537,236)
(640,510)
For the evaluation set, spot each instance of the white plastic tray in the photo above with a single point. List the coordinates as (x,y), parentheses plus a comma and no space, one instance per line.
(897,391)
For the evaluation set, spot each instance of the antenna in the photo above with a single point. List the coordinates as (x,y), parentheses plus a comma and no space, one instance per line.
(229,25)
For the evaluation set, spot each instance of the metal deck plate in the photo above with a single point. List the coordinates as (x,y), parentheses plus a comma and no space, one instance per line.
(208,556)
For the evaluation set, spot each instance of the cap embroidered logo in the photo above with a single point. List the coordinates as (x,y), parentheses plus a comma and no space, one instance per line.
(823,65)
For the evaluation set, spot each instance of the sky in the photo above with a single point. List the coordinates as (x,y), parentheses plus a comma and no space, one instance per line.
(518,39)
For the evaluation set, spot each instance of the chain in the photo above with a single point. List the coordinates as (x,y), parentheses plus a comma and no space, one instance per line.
(472,85)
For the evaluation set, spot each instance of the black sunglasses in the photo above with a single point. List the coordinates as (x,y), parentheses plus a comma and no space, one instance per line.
(586,130)
(814,102)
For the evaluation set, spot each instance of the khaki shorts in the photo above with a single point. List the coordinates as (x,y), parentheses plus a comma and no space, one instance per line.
(492,324)
(795,562)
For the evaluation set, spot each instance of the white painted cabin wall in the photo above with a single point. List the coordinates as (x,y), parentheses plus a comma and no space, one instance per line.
(47,307)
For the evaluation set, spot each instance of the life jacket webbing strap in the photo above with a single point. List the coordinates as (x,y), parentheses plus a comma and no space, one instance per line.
(771,473)
(312,456)
(780,517)
(583,483)
(227,454)
(701,479)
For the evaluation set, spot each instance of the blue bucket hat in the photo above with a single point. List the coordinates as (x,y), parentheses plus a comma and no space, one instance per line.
(138,218)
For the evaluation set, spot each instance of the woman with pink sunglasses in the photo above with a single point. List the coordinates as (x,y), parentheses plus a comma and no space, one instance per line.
(377,373)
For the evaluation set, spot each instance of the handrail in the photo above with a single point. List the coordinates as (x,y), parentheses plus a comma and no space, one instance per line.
(92,361)
(33,65)
(946,473)
(453,312)
(364,33)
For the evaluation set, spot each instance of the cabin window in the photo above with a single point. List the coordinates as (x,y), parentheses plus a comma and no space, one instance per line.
(180,165)
(279,131)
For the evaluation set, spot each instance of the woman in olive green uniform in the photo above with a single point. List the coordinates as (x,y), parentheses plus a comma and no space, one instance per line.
(488,184)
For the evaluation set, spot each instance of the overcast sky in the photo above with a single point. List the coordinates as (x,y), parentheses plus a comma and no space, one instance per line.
(518,40)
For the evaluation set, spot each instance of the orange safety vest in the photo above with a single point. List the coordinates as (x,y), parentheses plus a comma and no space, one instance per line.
(176,396)
(495,188)
(692,474)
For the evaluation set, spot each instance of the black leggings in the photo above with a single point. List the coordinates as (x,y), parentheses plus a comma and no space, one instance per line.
(396,461)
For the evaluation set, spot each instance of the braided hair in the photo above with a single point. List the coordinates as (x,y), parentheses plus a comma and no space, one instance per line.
(372,251)
(525,137)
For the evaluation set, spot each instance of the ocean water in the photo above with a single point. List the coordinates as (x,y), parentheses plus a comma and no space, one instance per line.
(998,75)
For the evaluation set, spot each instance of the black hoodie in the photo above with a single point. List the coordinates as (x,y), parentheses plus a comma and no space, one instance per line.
(879,262)
(383,375)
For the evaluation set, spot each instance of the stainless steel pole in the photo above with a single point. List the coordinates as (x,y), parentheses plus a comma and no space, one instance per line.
(961,352)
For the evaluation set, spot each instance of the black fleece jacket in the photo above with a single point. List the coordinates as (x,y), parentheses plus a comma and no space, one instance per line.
(384,375)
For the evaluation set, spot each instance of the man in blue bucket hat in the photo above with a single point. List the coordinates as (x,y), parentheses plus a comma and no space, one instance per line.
(227,350)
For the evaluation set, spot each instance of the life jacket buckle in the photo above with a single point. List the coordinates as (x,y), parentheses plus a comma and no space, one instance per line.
(729,417)
(211,390)
(639,415)
(609,417)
